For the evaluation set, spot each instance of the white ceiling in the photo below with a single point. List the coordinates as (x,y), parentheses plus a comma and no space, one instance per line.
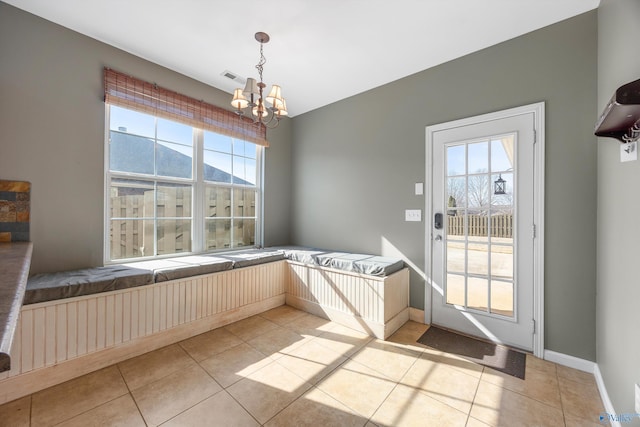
(320,51)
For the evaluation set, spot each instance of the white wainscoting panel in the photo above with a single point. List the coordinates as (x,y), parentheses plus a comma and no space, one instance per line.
(54,333)
(375,305)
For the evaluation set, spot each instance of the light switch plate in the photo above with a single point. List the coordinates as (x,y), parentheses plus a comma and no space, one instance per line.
(419,188)
(637,399)
(413,215)
(628,152)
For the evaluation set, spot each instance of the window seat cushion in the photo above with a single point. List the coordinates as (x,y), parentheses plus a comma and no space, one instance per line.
(359,263)
(253,257)
(302,254)
(187,266)
(68,284)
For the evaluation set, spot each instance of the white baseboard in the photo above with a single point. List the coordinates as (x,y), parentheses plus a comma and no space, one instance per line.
(608,405)
(416,315)
(586,366)
(570,361)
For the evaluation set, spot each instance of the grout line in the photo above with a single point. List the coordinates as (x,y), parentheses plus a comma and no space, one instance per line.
(30,408)
(241,405)
(564,416)
(473,401)
(135,402)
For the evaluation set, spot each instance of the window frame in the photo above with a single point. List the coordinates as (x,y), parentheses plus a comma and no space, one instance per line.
(198,184)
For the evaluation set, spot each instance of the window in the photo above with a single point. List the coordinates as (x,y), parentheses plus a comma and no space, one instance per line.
(173,188)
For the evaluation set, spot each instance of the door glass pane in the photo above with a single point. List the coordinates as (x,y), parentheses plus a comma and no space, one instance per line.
(478,293)
(478,157)
(478,193)
(456,160)
(502,154)
(502,262)
(455,257)
(477,259)
(502,298)
(455,289)
(477,228)
(456,192)
(455,221)
(502,191)
(502,226)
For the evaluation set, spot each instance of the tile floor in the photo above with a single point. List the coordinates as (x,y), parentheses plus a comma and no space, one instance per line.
(285,367)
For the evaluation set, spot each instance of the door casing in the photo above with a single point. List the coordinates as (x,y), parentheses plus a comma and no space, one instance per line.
(538,110)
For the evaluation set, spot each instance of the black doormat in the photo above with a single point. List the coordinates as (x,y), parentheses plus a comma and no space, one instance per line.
(494,356)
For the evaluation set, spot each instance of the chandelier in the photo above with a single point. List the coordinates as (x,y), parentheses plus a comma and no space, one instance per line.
(267,110)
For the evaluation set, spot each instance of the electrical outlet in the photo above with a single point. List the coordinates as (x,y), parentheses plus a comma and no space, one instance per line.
(413,215)
(637,386)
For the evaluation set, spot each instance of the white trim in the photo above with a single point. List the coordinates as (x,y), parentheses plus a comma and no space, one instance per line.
(570,361)
(538,110)
(608,405)
(260,163)
(538,220)
(585,366)
(416,315)
(105,187)
(428,212)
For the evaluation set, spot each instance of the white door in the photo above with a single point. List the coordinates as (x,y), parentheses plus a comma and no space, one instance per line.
(481,230)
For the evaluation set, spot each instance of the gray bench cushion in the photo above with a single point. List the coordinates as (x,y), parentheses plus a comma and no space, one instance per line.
(302,254)
(253,257)
(378,266)
(188,266)
(359,263)
(68,284)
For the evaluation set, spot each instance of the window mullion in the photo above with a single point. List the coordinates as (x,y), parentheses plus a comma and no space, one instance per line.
(198,230)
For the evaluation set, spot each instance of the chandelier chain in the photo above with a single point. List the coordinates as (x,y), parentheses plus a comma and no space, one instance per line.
(263,60)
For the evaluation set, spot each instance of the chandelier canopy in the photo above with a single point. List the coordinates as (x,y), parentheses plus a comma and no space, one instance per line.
(267,110)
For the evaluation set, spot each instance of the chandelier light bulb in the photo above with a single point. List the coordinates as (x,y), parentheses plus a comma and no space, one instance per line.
(239,101)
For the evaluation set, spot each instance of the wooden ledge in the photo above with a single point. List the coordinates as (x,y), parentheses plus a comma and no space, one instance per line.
(15,261)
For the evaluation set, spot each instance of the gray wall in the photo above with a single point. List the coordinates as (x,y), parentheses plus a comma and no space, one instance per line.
(618,317)
(52,134)
(355,163)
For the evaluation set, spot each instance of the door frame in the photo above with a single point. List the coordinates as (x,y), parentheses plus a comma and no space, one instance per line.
(538,110)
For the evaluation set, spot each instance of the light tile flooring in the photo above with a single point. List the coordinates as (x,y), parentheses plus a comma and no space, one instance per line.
(289,368)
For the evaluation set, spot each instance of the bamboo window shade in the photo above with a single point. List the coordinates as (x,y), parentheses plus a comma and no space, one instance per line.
(129,92)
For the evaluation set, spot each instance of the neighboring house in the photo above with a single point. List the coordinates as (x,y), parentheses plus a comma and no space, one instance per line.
(128,149)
